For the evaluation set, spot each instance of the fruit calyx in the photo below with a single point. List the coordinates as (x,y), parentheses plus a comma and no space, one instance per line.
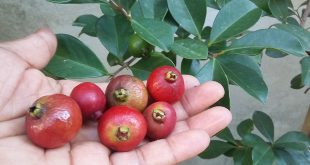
(171,76)
(123,133)
(36,111)
(159,115)
(121,94)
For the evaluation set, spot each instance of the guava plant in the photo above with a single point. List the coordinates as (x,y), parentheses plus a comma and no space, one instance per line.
(143,34)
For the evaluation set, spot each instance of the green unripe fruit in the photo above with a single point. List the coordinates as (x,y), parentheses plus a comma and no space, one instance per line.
(138,47)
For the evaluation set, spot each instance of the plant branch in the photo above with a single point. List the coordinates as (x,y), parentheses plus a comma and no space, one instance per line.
(125,65)
(119,8)
(305,15)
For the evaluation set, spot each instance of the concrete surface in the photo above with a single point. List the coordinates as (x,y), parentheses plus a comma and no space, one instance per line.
(286,106)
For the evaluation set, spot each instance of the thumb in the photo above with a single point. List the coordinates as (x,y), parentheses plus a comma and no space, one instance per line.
(36,49)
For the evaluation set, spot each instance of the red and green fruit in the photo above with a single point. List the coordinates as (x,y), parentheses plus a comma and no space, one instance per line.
(53,121)
(161,120)
(127,90)
(166,83)
(122,128)
(91,100)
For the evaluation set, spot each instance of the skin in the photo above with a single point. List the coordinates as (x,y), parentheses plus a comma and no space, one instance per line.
(21,83)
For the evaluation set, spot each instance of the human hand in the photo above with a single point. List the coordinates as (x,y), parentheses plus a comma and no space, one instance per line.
(21,83)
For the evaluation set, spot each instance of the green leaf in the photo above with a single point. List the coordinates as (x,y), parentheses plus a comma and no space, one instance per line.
(153,9)
(252,140)
(293,21)
(170,20)
(215,149)
(296,82)
(172,56)
(74,60)
(182,33)
(283,157)
(264,124)
(275,53)
(300,157)
(269,38)
(206,32)
(190,49)
(190,14)
(88,22)
(245,127)
(76,1)
(214,71)
(212,4)
(279,9)
(243,157)
(222,3)
(305,68)
(155,32)
(114,32)
(262,154)
(226,134)
(245,72)
(263,4)
(46,73)
(293,140)
(190,67)
(145,66)
(301,34)
(106,9)
(233,19)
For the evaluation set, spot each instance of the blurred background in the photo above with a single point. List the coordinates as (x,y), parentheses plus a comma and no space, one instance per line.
(286,106)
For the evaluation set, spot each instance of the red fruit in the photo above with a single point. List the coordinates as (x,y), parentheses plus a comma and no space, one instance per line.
(122,128)
(161,120)
(53,121)
(91,100)
(166,83)
(127,90)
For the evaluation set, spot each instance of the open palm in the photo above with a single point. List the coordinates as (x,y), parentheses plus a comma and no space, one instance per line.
(21,83)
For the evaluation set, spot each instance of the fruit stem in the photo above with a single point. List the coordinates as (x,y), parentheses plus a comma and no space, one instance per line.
(123,133)
(118,7)
(159,115)
(121,94)
(36,111)
(171,76)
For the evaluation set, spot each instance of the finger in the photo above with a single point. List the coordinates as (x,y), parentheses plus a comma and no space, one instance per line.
(198,99)
(212,121)
(173,150)
(12,127)
(60,155)
(91,153)
(36,49)
(190,81)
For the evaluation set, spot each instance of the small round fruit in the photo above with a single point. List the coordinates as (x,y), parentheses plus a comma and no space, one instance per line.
(91,100)
(138,47)
(53,121)
(166,83)
(127,90)
(161,120)
(122,128)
